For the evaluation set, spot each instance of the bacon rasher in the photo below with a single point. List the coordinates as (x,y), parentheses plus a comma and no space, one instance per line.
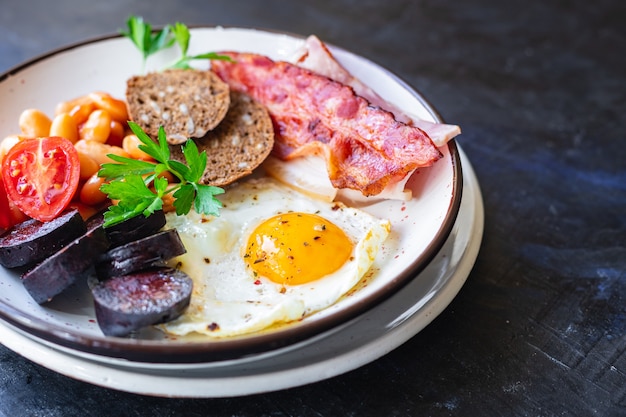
(316,57)
(365,147)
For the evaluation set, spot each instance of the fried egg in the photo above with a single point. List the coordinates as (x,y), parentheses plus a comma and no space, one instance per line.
(273,255)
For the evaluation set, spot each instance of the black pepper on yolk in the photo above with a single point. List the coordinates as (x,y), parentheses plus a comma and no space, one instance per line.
(296,248)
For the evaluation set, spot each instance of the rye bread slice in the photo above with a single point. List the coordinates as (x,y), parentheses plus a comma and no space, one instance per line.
(239,144)
(187,103)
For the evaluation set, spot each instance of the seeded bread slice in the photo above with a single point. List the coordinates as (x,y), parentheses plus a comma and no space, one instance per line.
(188,103)
(238,144)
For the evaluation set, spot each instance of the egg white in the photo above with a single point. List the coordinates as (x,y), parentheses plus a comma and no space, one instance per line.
(227,300)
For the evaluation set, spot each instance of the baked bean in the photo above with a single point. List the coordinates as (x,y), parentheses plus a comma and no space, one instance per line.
(34,123)
(97,127)
(88,166)
(85,210)
(117,133)
(81,112)
(7,143)
(67,106)
(169,177)
(131,145)
(116,108)
(16,215)
(98,151)
(90,192)
(64,125)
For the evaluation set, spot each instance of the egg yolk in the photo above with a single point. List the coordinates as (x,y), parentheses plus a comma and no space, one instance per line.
(296,248)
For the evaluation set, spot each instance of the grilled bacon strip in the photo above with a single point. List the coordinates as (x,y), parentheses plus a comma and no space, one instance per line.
(316,57)
(365,147)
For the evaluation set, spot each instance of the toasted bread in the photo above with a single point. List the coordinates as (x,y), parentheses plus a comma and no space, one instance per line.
(187,103)
(239,144)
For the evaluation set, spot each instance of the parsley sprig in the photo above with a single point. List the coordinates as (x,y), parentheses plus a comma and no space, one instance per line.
(141,34)
(128,181)
(148,43)
(182,36)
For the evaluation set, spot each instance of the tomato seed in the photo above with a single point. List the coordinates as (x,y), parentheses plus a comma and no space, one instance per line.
(22,188)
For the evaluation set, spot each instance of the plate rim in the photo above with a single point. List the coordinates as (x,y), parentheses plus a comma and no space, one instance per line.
(172,351)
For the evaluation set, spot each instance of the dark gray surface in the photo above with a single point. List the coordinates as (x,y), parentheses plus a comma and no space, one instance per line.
(539,90)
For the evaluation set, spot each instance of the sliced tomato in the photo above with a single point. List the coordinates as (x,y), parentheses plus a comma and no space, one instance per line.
(6,220)
(41,176)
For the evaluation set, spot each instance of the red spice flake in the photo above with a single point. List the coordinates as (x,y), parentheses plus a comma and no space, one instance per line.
(213,327)
(257,282)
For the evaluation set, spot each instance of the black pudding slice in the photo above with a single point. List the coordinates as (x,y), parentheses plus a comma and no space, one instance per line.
(135,228)
(140,254)
(72,263)
(32,241)
(127,303)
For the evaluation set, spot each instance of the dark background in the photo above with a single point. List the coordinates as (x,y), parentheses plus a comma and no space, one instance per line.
(538,88)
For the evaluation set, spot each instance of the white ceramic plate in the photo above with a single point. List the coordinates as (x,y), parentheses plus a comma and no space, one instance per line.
(342,349)
(419,227)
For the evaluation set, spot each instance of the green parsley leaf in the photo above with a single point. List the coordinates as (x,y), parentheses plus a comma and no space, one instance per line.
(180,168)
(141,34)
(117,214)
(211,55)
(132,189)
(150,42)
(184,61)
(125,166)
(128,181)
(195,160)
(182,36)
(134,198)
(206,201)
(160,186)
(184,196)
(159,151)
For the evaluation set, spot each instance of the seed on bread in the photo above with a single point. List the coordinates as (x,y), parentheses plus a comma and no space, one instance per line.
(187,103)
(239,144)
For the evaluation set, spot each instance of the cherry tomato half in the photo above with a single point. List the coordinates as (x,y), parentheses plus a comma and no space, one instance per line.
(41,176)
